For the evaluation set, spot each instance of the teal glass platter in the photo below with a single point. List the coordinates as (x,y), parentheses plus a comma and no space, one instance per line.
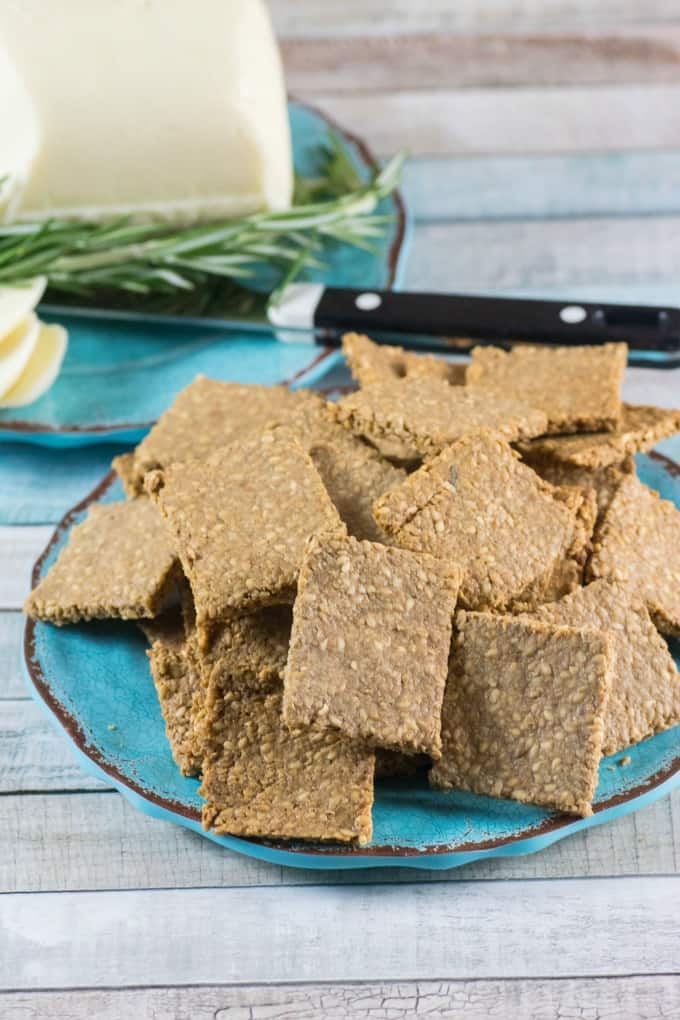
(121,370)
(93,681)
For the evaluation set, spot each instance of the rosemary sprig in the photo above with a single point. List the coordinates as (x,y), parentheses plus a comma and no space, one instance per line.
(82,258)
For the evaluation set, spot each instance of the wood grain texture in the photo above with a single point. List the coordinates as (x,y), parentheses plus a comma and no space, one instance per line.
(19,549)
(33,756)
(654,998)
(448,60)
(546,255)
(561,928)
(11,637)
(95,841)
(519,120)
(542,187)
(320,19)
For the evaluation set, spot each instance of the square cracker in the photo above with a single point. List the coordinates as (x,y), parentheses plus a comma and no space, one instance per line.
(262,779)
(421,416)
(640,428)
(207,415)
(603,481)
(353,472)
(638,543)
(176,671)
(370,644)
(645,694)
(370,363)
(120,562)
(524,712)
(240,520)
(478,506)
(577,387)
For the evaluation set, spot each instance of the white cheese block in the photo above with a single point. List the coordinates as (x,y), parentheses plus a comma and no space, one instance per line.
(41,369)
(161,109)
(16,303)
(15,352)
(19,136)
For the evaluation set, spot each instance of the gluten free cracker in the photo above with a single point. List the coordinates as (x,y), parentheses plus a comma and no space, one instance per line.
(262,779)
(421,416)
(524,712)
(124,466)
(176,672)
(370,643)
(371,363)
(477,506)
(645,694)
(638,543)
(240,520)
(120,562)
(603,481)
(251,650)
(578,388)
(207,415)
(639,429)
(353,472)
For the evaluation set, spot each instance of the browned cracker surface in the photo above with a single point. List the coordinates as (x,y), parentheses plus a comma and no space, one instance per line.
(208,414)
(370,643)
(370,362)
(478,506)
(251,650)
(353,472)
(119,562)
(577,387)
(640,428)
(638,543)
(645,693)
(425,415)
(262,779)
(604,481)
(176,673)
(240,521)
(568,572)
(523,712)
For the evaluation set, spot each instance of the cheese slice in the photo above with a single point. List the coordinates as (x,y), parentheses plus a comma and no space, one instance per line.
(15,351)
(41,369)
(160,109)
(19,136)
(16,303)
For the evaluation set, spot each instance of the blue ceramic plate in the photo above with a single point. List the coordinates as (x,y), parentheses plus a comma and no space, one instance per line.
(94,682)
(119,375)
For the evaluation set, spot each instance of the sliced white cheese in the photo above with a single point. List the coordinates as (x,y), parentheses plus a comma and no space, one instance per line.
(19,136)
(15,351)
(160,109)
(41,369)
(16,303)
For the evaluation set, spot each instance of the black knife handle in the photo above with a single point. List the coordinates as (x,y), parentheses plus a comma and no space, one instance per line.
(456,322)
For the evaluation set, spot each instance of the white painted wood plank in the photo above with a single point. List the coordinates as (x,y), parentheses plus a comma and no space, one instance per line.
(447,60)
(33,756)
(517,120)
(560,928)
(91,841)
(548,187)
(545,255)
(19,549)
(319,19)
(654,998)
(11,643)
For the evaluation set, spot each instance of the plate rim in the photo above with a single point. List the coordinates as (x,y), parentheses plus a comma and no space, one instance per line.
(528,840)
(14,430)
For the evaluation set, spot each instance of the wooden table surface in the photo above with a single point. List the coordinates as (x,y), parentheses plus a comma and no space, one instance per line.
(545,141)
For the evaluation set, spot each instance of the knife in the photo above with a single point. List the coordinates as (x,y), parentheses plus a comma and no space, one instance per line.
(436,322)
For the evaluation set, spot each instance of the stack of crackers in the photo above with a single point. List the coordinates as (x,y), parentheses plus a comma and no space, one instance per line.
(453,568)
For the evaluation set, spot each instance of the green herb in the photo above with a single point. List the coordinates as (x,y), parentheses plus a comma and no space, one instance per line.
(82,258)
